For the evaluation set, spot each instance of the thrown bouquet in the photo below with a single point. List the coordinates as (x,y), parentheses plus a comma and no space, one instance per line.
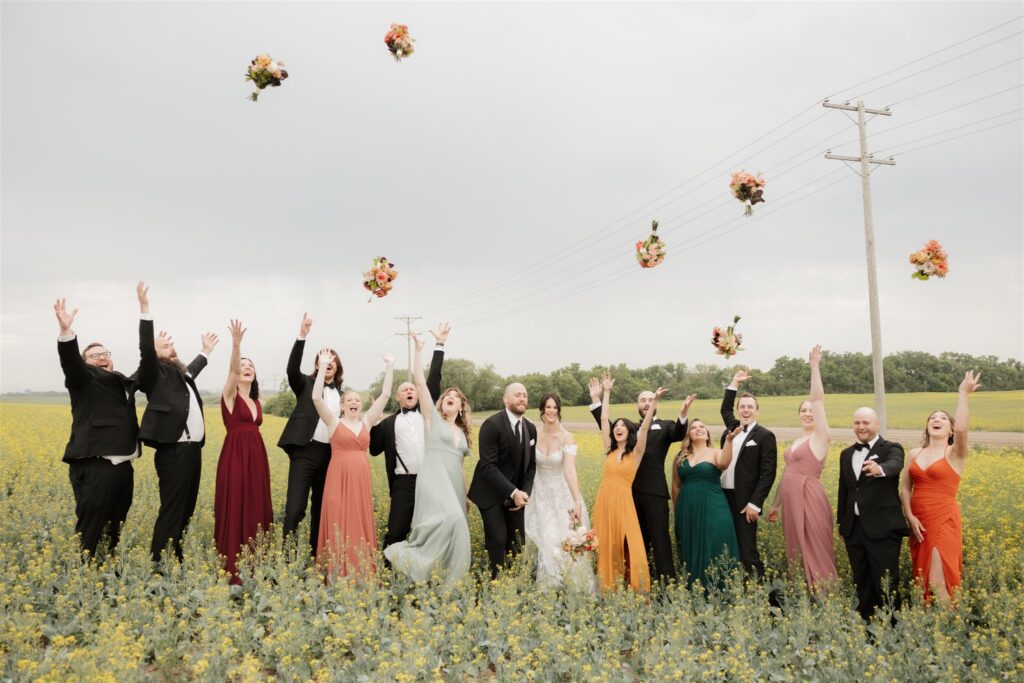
(727,342)
(399,41)
(264,71)
(377,280)
(930,260)
(748,188)
(651,251)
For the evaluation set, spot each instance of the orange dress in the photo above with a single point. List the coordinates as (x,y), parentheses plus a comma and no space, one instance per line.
(933,501)
(347,545)
(620,549)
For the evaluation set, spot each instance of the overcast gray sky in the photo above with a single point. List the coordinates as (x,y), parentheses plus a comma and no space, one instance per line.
(506,168)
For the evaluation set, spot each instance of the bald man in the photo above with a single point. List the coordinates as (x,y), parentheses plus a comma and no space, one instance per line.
(503,478)
(869,513)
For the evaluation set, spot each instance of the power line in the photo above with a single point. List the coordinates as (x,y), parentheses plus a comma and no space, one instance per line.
(950,130)
(965,135)
(959,80)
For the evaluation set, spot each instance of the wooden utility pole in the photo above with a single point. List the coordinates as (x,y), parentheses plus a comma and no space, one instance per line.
(408,334)
(869,245)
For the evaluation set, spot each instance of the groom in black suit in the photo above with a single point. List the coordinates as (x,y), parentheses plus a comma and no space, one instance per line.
(173,425)
(104,435)
(749,477)
(401,439)
(650,491)
(503,478)
(869,513)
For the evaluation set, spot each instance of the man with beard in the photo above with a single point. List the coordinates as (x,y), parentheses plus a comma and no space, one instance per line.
(172,424)
(650,490)
(104,435)
(503,477)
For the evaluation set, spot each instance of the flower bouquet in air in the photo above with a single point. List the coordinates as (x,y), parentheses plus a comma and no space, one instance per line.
(727,342)
(264,71)
(580,540)
(399,41)
(377,280)
(651,251)
(748,188)
(930,260)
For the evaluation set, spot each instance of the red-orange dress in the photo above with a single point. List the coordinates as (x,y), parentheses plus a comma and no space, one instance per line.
(933,502)
(347,545)
(620,549)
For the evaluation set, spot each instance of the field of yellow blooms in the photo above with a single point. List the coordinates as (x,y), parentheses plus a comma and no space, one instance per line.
(62,618)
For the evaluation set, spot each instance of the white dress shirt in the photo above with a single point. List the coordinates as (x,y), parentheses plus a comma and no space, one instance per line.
(195,428)
(332,397)
(857,462)
(515,420)
(729,475)
(409,442)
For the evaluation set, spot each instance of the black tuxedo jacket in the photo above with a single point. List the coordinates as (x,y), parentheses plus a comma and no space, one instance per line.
(382,436)
(504,464)
(166,388)
(756,461)
(650,476)
(301,425)
(877,498)
(103,417)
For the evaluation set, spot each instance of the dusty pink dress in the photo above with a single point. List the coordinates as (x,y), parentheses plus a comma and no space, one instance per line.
(807,515)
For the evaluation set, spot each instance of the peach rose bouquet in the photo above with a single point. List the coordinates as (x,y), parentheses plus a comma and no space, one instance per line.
(264,71)
(580,540)
(377,280)
(748,188)
(399,41)
(727,342)
(931,260)
(651,251)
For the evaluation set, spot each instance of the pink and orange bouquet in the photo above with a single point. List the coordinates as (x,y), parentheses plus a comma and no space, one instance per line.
(651,251)
(748,188)
(580,540)
(378,278)
(264,71)
(930,260)
(399,41)
(727,342)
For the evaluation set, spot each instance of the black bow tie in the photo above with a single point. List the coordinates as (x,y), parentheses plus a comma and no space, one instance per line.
(861,444)
(410,410)
(745,428)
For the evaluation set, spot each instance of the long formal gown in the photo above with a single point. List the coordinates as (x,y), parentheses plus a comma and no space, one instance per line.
(439,539)
(547,524)
(933,502)
(620,549)
(807,515)
(241,503)
(347,545)
(705,532)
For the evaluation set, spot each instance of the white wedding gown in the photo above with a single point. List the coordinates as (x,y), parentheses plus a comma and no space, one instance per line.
(547,524)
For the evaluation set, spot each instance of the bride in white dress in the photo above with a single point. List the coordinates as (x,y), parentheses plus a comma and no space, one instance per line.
(556,504)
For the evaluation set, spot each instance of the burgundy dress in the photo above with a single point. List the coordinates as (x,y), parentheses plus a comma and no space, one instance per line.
(807,515)
(241,506)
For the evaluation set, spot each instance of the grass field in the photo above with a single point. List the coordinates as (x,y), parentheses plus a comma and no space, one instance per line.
(63,620)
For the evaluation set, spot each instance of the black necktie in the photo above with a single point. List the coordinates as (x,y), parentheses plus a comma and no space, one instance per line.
(745,428)
(519,434)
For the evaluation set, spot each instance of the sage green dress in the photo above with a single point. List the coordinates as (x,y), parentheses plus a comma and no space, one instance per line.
(704,527)
(439,540)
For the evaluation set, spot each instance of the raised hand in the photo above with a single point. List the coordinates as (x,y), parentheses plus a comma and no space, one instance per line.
(661,391)
(740,376)
(304,326)
(595,389)
(687,402)
(237,332)
(607,382)
(209,341)
(417,341)
(441,333)
(389,360)
(142,292)
(163,336)
(733,434)
(324,358)
(971,382)
(815,356)
(64,319)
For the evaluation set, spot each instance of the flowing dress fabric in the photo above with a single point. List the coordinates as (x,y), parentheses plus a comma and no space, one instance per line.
(807,515)
(705,532)
(620,549)
(933,502)
(439,539)
(241,503)
(347,545)
(547,524)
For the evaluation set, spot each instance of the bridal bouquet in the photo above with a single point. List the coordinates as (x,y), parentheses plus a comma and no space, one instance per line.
(748,188)
(931,260)
(651,251)
(264,71)
(580,540)
(399,41)
(727,342)
(378,278)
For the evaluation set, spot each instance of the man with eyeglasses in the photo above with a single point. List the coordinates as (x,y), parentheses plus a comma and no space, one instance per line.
(104,436)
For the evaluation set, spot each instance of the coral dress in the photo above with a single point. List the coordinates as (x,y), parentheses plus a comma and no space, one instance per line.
(620,549)
(807,515)
(933,502)
(241,504)
(705,531)
(347,544)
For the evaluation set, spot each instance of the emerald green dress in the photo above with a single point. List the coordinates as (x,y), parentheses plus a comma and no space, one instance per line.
(704,526)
